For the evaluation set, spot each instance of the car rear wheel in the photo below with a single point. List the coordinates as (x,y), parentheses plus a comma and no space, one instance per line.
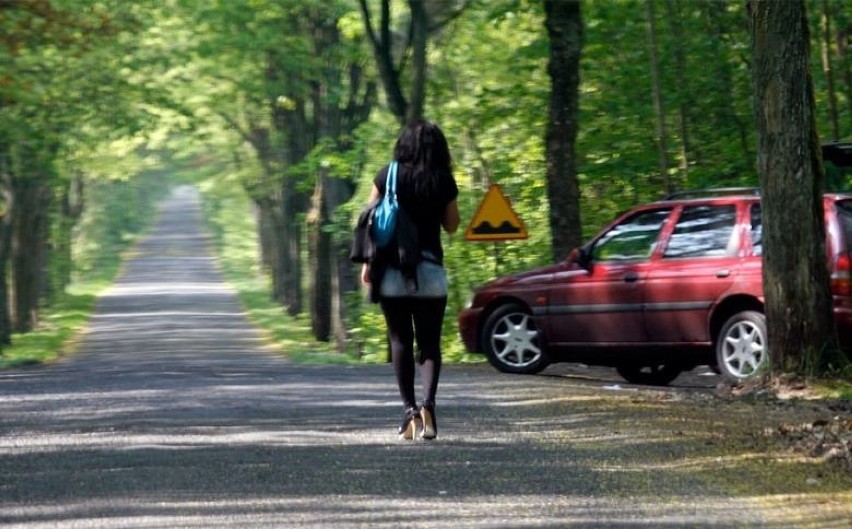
(741,351)
(650,374)
(510,339)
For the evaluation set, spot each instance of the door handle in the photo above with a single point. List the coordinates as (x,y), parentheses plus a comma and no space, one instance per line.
(631,277)
(723,273)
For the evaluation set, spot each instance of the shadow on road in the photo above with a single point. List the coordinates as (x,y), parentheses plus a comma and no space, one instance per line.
(172,414)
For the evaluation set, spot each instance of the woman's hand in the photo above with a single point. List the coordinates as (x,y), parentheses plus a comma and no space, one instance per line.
(365,274)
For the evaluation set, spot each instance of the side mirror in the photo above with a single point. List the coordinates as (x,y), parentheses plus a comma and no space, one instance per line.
(580,256)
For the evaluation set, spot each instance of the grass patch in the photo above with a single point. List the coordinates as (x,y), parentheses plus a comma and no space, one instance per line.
(58,328)
(840,389)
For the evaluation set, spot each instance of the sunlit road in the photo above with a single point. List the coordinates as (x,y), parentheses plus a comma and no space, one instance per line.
(171,414)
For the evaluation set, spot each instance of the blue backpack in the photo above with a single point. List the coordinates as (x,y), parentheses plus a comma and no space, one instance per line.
(383,226)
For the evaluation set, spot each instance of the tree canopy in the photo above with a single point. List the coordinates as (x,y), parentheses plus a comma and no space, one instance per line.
(295,104)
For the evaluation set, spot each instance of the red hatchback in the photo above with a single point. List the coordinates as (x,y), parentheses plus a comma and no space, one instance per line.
(666,287)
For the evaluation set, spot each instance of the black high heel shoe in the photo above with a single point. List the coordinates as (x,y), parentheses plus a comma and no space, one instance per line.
(430,423)
(411,423)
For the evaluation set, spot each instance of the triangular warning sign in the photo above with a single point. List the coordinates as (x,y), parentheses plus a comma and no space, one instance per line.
(495,220)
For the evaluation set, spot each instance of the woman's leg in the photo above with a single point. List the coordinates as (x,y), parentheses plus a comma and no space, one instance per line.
(428,316)
(398,317)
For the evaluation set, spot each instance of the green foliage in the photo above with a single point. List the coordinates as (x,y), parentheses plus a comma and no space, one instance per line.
(116,213)
(133,96)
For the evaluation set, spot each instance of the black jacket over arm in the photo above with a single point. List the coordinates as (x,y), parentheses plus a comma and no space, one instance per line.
(403,252)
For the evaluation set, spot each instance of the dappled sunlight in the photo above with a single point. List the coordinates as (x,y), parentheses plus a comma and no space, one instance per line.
(549,400)
(168,314)
(173,414)
(474,511)
(161,289)
(714,462)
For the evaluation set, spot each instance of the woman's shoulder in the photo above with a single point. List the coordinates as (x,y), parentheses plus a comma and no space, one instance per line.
(381,176)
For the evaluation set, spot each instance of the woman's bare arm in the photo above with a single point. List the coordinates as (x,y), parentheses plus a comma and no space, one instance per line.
(451,217)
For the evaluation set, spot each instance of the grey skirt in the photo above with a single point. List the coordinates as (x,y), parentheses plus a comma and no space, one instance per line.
(431,282)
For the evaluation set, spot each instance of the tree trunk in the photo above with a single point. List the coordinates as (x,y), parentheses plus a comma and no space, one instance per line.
(405,110)
(661,139)
(290,255)
(684,98)
(7,204)
(801,328)
(265,236)
(29,237)
(726,111)
(565,28)
(319,260)
(419,37)
(61,260)
(846,62)
(383,52)
(828,70)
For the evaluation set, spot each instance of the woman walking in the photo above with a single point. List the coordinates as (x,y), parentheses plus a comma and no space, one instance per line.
(426,191)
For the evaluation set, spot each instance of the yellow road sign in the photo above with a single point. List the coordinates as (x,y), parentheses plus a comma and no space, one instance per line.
(495,220)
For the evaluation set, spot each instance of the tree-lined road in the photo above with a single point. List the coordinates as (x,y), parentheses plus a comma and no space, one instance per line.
(172,414)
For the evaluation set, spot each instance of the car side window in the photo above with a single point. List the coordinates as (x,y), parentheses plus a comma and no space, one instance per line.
(704,231)
(756,230)
(633,239)
(844,215)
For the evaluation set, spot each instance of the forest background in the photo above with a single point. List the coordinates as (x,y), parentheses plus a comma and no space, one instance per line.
(282,111)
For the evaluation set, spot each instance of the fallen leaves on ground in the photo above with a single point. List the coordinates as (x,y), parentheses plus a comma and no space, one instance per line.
(828,437)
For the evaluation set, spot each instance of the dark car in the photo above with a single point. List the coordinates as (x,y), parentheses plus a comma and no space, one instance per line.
(666,287)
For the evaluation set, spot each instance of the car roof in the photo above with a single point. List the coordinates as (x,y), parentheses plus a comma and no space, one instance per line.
(726,195)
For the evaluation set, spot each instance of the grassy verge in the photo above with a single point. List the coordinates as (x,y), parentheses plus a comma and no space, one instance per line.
(60,324)
(230,220)
(117,215)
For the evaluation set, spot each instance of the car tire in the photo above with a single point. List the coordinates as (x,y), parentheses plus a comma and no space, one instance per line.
(511,341)
(649,374)
(741,347)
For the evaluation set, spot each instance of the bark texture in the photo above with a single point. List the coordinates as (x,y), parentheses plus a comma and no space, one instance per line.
(799,316)
(565,28)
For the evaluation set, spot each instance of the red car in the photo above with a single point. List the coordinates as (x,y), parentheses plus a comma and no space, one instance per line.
(666,287)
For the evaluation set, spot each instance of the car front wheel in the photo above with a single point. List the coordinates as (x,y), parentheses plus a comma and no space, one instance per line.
(510,339)
(741,351)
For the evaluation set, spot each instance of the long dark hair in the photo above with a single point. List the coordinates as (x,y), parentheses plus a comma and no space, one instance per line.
(423,147)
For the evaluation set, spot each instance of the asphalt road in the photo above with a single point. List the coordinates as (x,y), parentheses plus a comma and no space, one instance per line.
(172,414)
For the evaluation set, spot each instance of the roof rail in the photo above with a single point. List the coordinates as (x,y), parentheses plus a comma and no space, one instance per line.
(719,191)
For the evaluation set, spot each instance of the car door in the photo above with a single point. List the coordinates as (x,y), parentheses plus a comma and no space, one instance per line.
(603,304)
(698,265)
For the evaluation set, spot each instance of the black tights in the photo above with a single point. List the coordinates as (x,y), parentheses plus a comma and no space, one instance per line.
(420,319)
